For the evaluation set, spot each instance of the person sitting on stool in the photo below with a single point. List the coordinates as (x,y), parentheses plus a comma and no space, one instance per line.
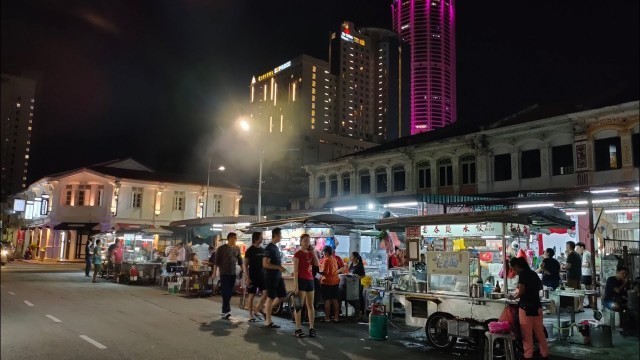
(615,293)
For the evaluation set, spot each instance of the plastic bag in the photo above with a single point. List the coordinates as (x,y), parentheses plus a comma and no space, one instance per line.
(507,315)
(499,327)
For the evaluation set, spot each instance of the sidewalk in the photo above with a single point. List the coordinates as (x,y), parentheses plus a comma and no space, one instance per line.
(51,261)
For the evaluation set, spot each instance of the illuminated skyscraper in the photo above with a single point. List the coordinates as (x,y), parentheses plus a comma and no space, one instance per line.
(428,26)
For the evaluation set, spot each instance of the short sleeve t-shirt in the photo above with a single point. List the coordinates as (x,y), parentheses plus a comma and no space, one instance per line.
(586,259)
(575,272)
(339,261)
(272,253)
(97,255)
(118,255)
(305,260)
(227,258)
(609,293)
(329,269)
(532,287)
(553,267)
(254,256)
(357,269)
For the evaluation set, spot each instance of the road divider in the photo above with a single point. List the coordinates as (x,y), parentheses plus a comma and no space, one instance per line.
(28,303)
(55,319)
(92,342)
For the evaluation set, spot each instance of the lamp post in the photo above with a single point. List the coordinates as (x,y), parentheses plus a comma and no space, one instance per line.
(244,125)
(206,200)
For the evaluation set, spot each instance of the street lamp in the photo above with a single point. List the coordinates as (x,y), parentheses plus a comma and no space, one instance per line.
(244,125)
(206,200)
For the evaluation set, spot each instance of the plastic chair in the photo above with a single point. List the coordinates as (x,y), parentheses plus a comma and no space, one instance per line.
(490,345)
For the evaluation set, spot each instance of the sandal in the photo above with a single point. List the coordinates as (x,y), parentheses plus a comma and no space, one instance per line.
(312,333)
(253,319)
(272,326)
(299,334)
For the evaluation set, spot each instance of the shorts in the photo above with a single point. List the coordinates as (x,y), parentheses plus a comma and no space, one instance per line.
(97,268)
(257,284)
(329,292)
(275,286)
(586,280)
(117,268)
(305,285)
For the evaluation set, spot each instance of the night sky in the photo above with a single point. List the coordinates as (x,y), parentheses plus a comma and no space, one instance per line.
(159,80)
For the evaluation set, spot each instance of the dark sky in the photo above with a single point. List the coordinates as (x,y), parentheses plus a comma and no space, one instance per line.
(155,80)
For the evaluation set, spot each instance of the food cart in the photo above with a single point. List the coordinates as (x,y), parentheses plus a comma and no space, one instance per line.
(445,304)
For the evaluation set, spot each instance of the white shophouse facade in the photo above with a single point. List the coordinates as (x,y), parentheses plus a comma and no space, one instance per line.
(588,148)
(73,205)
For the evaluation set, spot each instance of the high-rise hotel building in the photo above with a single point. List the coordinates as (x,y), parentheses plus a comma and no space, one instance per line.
(428,26)
(17,107)
(371,68)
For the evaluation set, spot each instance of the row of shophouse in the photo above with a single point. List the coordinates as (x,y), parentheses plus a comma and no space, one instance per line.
(529,157)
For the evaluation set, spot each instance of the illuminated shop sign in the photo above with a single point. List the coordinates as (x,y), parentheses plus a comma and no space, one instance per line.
(350,38)
(28,212)
(19,205)
(274,71)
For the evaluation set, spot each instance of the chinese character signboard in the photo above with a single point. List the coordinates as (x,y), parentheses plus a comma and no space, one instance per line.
(412,232)
(471,230)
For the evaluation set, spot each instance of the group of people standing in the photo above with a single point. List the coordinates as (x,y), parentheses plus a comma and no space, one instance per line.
(93,255)
(578,268)
(263,271)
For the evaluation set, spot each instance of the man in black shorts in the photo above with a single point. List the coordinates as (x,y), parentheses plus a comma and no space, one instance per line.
(273,269)
(253,276)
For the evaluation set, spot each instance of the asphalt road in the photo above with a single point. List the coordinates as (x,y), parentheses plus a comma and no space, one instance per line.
(54,312)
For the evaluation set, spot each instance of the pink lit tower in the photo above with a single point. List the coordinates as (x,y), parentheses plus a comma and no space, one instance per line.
(429,29)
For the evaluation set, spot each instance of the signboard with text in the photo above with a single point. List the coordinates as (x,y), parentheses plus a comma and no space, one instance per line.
(462,230)
(412,232)
(448,263)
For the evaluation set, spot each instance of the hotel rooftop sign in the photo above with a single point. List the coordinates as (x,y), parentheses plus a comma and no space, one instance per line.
(274,71)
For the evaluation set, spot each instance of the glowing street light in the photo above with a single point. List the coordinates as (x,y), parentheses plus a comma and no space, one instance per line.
(244,125)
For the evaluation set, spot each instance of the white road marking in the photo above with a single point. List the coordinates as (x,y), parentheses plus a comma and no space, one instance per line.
(55,319)
(92,342)
(11,293)
(28,303)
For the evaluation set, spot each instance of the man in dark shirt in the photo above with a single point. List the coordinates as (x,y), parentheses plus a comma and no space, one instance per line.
(615,292)
(530,313)
(227,258)
(88,257)
(550,269)
(253,276)
(272,264)
(573,266)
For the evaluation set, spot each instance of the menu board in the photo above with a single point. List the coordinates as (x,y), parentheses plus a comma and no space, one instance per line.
(448,263)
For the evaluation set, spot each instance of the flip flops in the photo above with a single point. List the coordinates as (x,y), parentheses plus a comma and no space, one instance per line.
(272,326)
(299,334)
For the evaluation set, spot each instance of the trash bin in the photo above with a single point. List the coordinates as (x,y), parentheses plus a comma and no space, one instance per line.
(600,336)
(43,253)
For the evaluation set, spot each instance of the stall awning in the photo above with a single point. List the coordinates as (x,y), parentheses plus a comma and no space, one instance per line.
(216,220)
(323,219)
(75,226)
(535,217)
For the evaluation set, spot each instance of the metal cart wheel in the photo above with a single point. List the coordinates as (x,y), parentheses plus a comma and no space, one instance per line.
(437,332)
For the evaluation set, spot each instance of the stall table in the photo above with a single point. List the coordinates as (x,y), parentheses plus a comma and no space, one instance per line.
(146,270)
(572,296)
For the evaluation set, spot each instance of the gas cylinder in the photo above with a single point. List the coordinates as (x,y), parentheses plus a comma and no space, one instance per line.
(378,322)
(133,273)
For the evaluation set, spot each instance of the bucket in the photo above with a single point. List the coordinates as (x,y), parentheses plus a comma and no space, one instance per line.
(173,287)
(378,327)
(600,336)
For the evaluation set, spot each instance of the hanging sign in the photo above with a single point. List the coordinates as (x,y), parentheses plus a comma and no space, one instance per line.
(412,232)
(463,230)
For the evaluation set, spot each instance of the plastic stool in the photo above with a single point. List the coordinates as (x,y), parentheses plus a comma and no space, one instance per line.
(489,345)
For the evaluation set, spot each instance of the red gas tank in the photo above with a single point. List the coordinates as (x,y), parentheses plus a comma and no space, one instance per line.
(133,273)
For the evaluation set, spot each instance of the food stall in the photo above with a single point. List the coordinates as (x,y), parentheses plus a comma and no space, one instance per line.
(451,303)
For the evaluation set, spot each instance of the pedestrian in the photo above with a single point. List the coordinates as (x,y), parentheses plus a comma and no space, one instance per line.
(330,283)
(110,257)
(88,254)
(550,269)
(304,288)
(573,266)
(530,312)
(273,269)
(117,256)
(188,250)
(181,254)
(172,258)
(227,258)
(357,268)
(253,275)
(97,260)
(587,273)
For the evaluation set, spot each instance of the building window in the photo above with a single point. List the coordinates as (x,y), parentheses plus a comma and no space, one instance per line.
(346,184)
(333,185)
(562,160)
(217,204)
(136,197)
(365,182)
(608,154)
(502,167)
(424,175)
(99,199)
(399,177)
(530,165)
(178,200)
(322,187)
(635,149)
(69,195)
(82,195)
(445,170)
(381,180)
(468,164)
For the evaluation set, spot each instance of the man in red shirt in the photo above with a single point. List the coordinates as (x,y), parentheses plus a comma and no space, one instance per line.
(393,259)
(118,256)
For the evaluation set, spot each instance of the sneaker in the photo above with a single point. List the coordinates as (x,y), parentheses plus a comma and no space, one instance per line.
(226,316)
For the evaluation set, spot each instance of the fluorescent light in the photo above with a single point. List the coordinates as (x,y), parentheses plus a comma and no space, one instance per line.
(604,191)
(602,201)
(575,213)
(370,206)
(637,188)
(525,206)
(345,208)
(402,204)
(618,211)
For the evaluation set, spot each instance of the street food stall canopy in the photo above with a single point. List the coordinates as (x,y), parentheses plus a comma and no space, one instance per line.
(326,219)
(534,217)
